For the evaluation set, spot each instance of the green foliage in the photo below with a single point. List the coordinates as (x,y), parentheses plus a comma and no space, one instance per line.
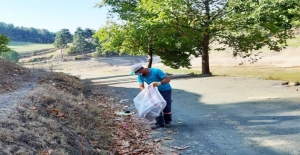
(33,53)
(3,44)
(71,50)
(12,56)
(179,29)
(98,52)
(63,37)
(111,38)
(77,58)
(82,41)
(253,25)
(296,24)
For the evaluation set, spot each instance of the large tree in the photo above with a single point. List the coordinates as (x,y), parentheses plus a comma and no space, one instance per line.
(139,36)
(242,25)
(133,36)
(3,44)
(63,37)
(130,38)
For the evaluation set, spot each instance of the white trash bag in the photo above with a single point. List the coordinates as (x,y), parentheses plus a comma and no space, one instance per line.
(149,103)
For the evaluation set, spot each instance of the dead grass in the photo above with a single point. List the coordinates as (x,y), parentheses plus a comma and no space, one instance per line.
(52,119)
(10,75)
(64,115)
(268,73)
(65,82)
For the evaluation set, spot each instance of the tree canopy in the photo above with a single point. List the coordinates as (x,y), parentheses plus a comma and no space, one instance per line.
(180,29)
(3,44)
(62,38)
(82,41)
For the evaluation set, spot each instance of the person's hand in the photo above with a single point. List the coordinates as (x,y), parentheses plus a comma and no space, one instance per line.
(155,84)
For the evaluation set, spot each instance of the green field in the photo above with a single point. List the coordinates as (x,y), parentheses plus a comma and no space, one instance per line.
(28,47)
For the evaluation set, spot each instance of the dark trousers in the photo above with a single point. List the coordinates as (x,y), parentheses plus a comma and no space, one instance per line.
(166,115)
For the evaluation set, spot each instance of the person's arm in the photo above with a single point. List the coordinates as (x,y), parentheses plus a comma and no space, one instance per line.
(142,86)
(165,80)
(141,82)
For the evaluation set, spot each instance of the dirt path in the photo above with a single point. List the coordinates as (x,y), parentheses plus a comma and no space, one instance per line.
(223,115)
(10,99)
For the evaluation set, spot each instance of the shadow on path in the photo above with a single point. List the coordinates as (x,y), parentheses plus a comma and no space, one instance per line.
(255,127)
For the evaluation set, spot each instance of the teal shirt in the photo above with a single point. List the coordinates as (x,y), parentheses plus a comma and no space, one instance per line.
(155,75)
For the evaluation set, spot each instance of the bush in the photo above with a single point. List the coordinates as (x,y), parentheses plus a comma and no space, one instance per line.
(77,58)
(33,53)
(98,52)
(72,50)
(12,56)
(37,59)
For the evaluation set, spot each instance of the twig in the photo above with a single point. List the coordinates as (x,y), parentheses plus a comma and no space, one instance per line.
(82,142)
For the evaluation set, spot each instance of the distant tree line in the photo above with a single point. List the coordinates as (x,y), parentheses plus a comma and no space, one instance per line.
(25,34)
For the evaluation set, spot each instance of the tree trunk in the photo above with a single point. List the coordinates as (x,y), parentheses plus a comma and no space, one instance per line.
(205,41)
(61,54)
(150,56)
(205,55)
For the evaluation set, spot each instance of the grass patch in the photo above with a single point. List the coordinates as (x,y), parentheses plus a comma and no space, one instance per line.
(284,74)
(27,46)
(294,42)
(268,73)
(182,71)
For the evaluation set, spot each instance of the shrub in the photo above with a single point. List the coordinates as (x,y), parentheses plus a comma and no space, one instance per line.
(12,56)
(33,53)
(77,58)
(72,50)
(98,52)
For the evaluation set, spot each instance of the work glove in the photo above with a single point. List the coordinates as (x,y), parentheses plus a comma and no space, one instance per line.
(155,84)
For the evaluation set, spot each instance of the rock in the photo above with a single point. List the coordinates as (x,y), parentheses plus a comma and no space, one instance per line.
(124,101)
(191,74)
(285,83)
(120,113)
(293,83)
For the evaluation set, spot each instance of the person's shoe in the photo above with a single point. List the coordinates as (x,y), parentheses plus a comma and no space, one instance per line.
(156,126)
(168,124)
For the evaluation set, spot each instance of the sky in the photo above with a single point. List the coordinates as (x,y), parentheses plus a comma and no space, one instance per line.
(53,15)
